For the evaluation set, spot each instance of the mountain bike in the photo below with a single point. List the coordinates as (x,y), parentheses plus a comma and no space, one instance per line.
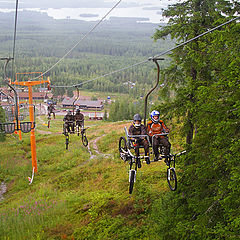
(170,161)
(84,137)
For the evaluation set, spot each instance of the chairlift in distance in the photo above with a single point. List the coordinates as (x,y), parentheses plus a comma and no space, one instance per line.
(72,127)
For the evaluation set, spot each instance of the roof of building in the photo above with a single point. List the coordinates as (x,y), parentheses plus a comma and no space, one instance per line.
(79,102)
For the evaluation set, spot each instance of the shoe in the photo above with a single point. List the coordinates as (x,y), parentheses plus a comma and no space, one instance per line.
(156,158)
(147,160)
(139,163)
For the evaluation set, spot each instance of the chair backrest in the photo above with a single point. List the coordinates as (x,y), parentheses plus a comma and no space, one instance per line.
(27,126)
(8,127)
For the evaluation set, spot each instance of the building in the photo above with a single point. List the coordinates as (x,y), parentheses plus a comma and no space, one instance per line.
(83,104)
(35,95)
(4,92)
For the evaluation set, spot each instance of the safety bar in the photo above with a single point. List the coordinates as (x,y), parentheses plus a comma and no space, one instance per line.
(135,136)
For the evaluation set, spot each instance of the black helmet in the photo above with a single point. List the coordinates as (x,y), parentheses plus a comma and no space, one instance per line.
(137,117)
(78,111)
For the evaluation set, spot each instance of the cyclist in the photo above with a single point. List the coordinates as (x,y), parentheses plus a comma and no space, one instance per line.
(69,121)
(157,126)
(139,129)
(79,118)
(51,109)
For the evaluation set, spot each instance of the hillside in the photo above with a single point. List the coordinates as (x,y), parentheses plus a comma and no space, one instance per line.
(116,43)
(76,194)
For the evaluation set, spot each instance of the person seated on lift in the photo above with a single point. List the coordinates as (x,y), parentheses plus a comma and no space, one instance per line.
(157,126)
(139,129)
(69,122)
(79,118)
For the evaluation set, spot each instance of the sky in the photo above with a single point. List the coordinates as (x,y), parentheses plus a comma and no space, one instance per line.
(93,10)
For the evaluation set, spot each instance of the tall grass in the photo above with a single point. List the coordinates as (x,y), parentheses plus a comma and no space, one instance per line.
(73,196)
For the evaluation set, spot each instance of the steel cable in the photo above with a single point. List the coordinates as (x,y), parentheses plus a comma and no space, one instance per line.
(150,58)
(91,30)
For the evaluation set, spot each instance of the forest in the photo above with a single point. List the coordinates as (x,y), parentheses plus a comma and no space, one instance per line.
(204,75)
(117,43)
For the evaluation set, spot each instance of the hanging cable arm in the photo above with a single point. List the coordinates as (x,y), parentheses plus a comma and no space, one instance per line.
(14,90)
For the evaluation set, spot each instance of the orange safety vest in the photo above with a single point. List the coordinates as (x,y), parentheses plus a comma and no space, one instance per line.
(156,128)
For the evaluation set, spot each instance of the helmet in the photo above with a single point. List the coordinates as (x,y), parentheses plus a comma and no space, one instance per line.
(69,112)
(155,113)
(137,117)
(78,111)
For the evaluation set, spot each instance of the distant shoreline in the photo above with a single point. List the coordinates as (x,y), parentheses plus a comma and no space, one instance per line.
(141,15)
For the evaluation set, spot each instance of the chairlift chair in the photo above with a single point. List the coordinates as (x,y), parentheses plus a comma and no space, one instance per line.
(27,126)
(8,127)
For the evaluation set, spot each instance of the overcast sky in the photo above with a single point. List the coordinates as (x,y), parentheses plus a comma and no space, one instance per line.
(92,10)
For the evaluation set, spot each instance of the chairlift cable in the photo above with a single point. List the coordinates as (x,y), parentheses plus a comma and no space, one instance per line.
(150,58)
(14,38)
(91,30)
(192,39)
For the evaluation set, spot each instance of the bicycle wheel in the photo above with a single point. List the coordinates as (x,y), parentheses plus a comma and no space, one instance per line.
(84,140)
(122,148)
(172,179)
(132,179)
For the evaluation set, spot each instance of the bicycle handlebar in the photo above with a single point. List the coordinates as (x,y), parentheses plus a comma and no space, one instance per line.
(161,134)
(179,154)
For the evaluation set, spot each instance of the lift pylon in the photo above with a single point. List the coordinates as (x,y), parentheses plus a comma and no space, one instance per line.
(30,84)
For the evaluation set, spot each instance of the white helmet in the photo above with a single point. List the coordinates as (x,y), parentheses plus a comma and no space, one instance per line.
(155,113)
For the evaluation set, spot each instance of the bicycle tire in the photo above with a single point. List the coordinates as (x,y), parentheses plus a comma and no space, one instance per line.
(67,143)
(84,140)
(122,147)
(132,178)
(172,179)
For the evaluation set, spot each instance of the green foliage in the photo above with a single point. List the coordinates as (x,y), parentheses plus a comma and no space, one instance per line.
(125,109)
(203,81)
(105,116)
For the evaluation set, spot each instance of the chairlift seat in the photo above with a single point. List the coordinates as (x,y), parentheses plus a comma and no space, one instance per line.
(27,126)
(8,127)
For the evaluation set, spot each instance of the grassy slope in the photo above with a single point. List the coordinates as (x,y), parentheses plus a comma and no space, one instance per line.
(73,196)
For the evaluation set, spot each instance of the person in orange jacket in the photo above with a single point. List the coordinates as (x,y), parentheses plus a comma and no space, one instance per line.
(157,126)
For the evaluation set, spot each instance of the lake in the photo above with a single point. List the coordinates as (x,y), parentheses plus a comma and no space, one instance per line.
(150,14)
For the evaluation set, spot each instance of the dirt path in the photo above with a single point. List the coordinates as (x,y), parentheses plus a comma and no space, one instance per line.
(3,189)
